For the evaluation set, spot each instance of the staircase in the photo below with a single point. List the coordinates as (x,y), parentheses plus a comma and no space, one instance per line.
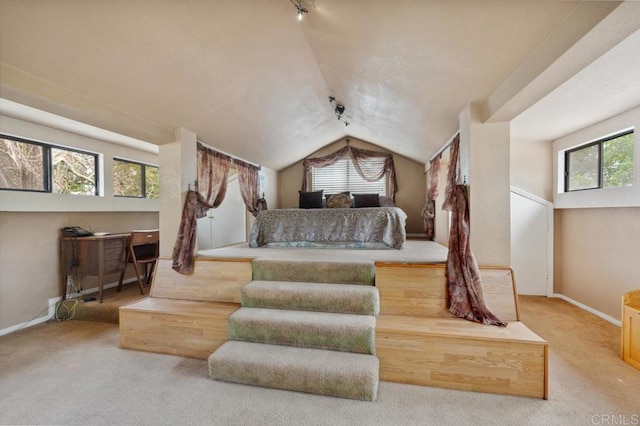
(304,326)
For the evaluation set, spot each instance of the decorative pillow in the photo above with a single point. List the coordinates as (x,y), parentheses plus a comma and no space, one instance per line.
(339,201)
(310,200)
(327,196)
(366,200)
(386,201)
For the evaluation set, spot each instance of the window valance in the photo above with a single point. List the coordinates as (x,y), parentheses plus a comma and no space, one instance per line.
(369,170)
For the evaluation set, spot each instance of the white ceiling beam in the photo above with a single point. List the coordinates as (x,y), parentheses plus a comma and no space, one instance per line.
(27,89)
(588,33)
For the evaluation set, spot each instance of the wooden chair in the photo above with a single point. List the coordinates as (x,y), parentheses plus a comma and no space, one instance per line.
(143,249)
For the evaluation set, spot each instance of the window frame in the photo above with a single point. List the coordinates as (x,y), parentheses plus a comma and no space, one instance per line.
(599,142)
(47,166)
(385,179)
(143,178)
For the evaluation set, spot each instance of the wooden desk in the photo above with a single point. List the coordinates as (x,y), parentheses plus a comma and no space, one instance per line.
(92,256)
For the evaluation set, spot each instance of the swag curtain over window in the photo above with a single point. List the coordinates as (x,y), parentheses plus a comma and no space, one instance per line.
(213,173)
(466,295)
(369,171)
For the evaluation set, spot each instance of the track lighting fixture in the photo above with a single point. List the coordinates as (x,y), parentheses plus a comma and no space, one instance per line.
(300,8)
(338,110)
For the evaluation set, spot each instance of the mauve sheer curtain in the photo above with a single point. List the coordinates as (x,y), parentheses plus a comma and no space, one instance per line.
(429,209)
(249,178)
(213,172)
(370,171)
(466,295)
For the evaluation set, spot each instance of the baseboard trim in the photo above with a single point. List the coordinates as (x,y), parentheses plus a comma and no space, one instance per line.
(96,289)
(589,309)
(52,307)
(50,312)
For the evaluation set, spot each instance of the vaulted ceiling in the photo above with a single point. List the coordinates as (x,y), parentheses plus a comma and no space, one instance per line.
(250,79)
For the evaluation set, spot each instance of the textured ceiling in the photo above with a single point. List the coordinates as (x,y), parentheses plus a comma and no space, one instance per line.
(251,80)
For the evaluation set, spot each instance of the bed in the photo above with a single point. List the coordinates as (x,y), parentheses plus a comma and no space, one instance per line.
(358,228)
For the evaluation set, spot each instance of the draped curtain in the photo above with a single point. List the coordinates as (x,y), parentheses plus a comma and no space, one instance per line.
(466,295)
(211,187)
(249,178)
(429,209)
(368,170)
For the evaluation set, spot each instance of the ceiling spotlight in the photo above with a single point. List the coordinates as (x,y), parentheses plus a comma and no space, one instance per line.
(300,8)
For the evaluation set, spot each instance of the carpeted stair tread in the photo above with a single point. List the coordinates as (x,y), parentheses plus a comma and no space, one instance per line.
(322,372)
(318,330)
(314,272)
(320,297)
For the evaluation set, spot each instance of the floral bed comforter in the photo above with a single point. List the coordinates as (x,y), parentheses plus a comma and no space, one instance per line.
(375,227)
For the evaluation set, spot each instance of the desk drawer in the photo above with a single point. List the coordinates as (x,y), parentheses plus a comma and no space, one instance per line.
(113,254)
(113,244)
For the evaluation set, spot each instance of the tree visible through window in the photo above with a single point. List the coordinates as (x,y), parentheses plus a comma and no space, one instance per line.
(31,166)
(607,163)
(132,179)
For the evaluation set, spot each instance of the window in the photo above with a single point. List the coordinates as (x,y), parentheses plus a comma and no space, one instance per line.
(32,166)
(342,176)
(131,179)
(606,163)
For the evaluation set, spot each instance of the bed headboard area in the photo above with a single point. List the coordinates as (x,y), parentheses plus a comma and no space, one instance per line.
(319,199)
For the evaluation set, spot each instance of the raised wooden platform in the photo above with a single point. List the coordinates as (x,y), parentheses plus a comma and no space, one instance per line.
(417,340)
(185,315)
(175,327)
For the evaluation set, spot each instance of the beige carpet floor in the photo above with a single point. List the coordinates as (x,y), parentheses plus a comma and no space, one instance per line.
(74,373)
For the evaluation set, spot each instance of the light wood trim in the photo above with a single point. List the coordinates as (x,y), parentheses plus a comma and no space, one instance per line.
(224,259)
(215,281)
(546,372)
(408,265)
(500,293)
(457,328)
(181,307)
(631,334)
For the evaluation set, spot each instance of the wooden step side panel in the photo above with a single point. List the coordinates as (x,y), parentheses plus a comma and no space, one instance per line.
(212,280)
(171,331)
(420,290)
(495,366)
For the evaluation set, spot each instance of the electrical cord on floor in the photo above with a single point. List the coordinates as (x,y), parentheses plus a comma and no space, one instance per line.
(66,310)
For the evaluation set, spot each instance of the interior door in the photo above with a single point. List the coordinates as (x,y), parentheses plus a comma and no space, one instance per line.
(227,224)
(530,244)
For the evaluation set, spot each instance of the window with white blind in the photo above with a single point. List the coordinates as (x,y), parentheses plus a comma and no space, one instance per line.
(342,176)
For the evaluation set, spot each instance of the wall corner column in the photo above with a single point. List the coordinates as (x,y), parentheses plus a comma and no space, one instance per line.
(487,149)
(178,171)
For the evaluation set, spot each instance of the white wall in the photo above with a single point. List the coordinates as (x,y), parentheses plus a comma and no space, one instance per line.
(489,188)
(531,168)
